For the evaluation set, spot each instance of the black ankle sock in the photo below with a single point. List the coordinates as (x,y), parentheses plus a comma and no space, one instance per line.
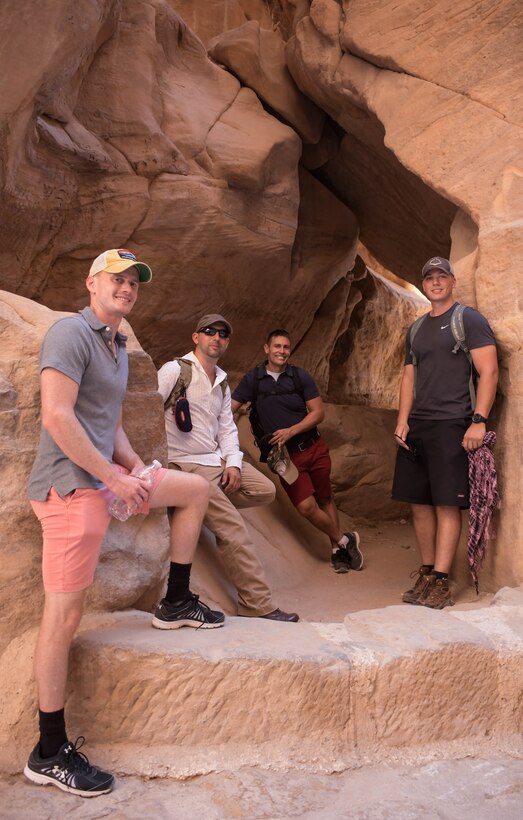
(443,576)
(427,568)
(52,732)
(178,583)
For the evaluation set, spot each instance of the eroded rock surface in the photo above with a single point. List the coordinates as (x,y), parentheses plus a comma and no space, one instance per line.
(133,555)
(118,130)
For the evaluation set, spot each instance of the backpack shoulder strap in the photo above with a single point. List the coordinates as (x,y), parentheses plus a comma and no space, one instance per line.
(255,383)
(182,383)
(298,384)
(224,384)
(457,327)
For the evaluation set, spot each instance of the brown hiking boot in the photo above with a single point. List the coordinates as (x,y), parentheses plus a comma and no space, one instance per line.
(436,595)
(411,596)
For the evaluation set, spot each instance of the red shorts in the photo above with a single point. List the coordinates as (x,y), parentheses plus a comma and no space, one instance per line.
(73,529)
(314,468)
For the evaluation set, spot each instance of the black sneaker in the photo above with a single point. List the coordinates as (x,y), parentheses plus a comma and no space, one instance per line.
(340,560)
(190,613)
(70,770)
(353,548)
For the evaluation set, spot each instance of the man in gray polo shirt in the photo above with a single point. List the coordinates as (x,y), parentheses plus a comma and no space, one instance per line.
(84,460)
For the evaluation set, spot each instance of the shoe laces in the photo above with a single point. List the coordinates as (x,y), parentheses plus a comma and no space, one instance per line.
(74,760)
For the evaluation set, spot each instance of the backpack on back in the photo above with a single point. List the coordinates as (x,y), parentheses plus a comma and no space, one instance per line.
(261,439)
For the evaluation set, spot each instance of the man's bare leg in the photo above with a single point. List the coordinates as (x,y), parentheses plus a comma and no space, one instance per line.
(310,510)
(447,538)
(328,506)
(425,527)
(189,495)
(60,620)
(437,530)
(345,546)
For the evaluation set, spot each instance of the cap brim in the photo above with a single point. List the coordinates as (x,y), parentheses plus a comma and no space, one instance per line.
(145,273)
(441,270)
(291,473)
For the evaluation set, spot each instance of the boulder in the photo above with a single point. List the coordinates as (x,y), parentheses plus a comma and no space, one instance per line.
(134,554)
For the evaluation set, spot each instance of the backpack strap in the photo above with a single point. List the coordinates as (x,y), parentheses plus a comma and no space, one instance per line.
(412,333)
(298,386)
(182,383)
(457,327)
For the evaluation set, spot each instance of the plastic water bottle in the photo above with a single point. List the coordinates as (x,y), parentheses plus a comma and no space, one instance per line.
(119,508)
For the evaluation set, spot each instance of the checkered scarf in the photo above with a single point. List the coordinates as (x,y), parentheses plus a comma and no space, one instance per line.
(484,499)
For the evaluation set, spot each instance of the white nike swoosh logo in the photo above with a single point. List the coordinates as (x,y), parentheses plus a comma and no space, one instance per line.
(444,326)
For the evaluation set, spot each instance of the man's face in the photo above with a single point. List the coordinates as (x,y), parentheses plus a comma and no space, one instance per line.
(114,294)
(210,343)
(438,286)
(278,351)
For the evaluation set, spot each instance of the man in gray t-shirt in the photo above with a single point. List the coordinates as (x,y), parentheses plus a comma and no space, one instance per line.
(437,425)
(84,460)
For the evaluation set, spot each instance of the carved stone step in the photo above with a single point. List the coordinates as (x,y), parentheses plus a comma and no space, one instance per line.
(397,681)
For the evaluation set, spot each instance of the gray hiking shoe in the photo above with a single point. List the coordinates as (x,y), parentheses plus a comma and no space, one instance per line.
(353,549)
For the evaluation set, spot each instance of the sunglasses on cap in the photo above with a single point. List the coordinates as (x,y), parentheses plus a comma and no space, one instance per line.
(212,331)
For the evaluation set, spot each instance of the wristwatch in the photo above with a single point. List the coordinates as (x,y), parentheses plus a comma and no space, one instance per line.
(477,418)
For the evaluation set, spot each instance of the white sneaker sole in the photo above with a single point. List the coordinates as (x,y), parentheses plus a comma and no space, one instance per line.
(44,780)
(159,624)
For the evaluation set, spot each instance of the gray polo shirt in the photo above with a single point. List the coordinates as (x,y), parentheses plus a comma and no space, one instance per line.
(80,347)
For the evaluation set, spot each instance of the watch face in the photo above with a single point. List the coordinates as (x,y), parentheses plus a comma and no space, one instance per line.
(478,419)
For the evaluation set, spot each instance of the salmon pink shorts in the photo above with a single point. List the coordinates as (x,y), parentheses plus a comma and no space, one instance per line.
(73,529)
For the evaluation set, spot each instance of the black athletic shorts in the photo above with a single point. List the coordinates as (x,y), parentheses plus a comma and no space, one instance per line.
(437,473)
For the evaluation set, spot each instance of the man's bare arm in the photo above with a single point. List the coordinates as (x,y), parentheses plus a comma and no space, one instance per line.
(405,405)
(486,363)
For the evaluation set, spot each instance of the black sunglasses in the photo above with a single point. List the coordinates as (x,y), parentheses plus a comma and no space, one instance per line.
(212,331)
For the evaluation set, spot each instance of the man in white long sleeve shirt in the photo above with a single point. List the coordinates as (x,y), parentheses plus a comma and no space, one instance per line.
(211,449)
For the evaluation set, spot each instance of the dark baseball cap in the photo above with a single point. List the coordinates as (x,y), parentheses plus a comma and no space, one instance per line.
(437,263)
(212,319)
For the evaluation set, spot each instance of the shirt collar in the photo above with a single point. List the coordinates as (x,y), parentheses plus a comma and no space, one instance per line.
(220,374)
(262,370)
(96,324)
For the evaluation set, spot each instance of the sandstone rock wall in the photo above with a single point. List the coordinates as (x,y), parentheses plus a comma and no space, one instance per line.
(251,181)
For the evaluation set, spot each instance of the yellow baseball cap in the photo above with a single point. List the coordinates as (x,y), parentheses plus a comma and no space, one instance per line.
(118,260)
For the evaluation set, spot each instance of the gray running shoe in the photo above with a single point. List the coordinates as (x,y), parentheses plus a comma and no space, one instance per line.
(190,613)
(340,560)
(70,770)
(353,548)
